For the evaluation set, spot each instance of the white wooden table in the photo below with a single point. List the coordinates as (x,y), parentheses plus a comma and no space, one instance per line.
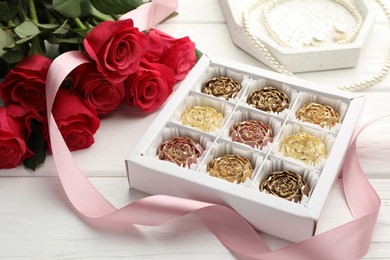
(37,221)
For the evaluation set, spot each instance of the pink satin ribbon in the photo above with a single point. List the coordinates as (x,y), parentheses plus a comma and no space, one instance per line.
(348,241)
(148,15)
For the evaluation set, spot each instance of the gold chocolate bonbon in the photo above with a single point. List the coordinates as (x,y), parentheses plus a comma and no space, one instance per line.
(319,114)
(222,87)
(203,118)
(285,184)
(304,147)
(230,167)
(269,99)
(251,132)
(183,151)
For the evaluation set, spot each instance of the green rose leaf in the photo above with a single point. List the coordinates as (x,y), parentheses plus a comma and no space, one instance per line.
(37,144)
(7,11)
(198,54)
(21,41)
(63,29)
(116,6)
(6,39)
(86,8)
(13,56)
(47,26)
(26,29)
(72,8)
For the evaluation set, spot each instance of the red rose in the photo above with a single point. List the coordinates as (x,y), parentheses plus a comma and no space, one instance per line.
(15,129)
(116,47)
(96,90)
(76,121)
(156,43)
(25,84)
(150,86)
(177,54)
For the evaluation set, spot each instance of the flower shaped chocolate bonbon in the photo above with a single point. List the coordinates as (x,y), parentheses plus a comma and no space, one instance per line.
(180,150)
(319,114)
(203,118)
(285,184)
(304,147)
(230,167)
(221,87)
(269,99)
(251,132)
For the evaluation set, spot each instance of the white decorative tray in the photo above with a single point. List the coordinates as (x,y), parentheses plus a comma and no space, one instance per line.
(297,23)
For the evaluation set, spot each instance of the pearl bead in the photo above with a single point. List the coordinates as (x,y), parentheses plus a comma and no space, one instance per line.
(339,32)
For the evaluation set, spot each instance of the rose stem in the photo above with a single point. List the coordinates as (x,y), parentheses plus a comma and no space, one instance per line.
(33,12)
(36,47)
(50,17)
(22,13)
(101,16)
(79,23)
(35,42)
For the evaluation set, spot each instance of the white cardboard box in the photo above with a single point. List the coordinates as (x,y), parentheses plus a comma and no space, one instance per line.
(270,214)
(299,59)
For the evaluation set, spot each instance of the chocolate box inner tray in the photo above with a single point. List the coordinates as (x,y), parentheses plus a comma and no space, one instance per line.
(315,160)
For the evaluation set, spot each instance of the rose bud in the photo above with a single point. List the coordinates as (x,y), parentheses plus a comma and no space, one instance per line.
(96,90)
(24,85)
(178,54)
(150,86)
(15,128)
(116,47)
(76,121)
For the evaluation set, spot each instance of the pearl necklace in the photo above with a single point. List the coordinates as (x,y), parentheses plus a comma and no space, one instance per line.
(281,69)
(349,37)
